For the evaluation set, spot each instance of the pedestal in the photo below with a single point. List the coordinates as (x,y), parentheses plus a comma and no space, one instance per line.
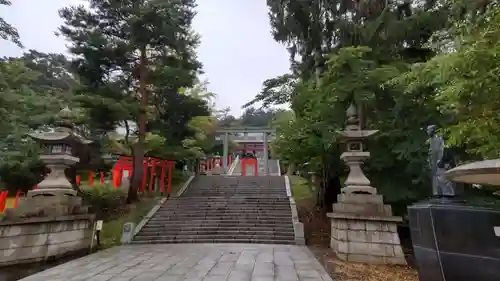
(455,242)
(364,230)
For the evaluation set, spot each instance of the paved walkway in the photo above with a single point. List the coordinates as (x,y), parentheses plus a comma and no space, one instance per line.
(192,262)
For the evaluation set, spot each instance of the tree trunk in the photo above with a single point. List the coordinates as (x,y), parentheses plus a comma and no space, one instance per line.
(333,186)
(138,151)
(330,182)
(135,178)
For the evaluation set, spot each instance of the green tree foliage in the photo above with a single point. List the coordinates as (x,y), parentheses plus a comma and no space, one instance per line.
(7,31)
(23,109)
(465,80)
(132,59)
(348,51)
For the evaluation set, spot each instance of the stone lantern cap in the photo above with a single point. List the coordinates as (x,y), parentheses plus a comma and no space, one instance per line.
(486,172)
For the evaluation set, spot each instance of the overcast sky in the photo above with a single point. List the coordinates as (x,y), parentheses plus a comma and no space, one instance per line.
(237,49)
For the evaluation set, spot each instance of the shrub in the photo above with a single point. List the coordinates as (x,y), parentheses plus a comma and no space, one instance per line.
(104,200)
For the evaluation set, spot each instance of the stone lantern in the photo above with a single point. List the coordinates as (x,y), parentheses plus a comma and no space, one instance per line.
(363,229)
(55,194)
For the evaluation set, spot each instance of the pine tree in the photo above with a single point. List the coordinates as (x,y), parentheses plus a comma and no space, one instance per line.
(128,53)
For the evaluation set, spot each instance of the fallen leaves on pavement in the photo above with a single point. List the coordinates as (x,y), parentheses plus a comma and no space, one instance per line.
(363,272)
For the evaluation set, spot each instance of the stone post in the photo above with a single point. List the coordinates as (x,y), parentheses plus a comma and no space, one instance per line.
(362,227)
(225,151)
(266,154)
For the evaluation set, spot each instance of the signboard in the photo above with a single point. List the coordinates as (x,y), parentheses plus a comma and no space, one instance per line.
(98,225)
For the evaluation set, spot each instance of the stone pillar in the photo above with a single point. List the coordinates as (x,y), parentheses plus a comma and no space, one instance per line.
(225,151)
(266,154)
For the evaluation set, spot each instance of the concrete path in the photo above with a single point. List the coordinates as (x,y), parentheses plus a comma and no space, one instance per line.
(192,262)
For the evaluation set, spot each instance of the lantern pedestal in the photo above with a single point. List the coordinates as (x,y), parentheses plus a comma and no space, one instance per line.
(363,229)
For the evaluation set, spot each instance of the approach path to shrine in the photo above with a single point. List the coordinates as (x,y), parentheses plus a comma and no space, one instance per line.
(192,262)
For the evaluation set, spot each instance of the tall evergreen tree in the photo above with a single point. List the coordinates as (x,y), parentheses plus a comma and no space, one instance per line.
(327,74)
(130,56)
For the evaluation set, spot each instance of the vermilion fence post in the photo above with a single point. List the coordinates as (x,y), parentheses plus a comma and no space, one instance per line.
(144,175)
(116,175)
(120,177)
(170,166)
(77,179)
(3,200)
(101,178)
(243,167)
(162,180)
(91,178)
(152,174)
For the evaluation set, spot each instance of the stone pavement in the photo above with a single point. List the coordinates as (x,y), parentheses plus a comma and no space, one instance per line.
(192,262)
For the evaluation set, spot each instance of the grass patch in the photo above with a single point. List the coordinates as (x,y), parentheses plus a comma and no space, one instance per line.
(112,229)
(301,189)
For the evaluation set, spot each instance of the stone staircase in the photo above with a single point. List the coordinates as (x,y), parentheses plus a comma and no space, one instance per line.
(224,209)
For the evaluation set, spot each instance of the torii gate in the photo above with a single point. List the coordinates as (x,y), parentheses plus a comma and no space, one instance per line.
(232,130)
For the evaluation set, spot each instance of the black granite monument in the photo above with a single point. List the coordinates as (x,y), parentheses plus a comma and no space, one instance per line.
(452,241)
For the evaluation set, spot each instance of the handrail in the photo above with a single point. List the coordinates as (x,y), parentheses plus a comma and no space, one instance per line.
(233,165)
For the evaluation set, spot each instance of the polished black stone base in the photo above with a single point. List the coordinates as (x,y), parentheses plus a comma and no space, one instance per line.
(455,242)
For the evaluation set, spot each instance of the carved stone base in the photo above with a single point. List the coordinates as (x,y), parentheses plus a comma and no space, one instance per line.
(364,230)
(47,202)
(57,193)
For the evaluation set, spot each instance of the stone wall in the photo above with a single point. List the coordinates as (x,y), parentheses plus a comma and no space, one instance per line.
(366,239)
(38,239)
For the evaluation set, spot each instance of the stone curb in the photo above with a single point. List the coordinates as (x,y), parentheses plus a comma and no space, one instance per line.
(298,227)
(185,186)
(155,208)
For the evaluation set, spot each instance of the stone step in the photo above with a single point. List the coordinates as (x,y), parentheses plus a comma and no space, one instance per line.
(263,186)
(213,215)
(228,207)
(231,198)
(234,194)
(222,231)
(222,218)
(248,199)
(211,240)
(220,221)
(227,224)
(256,189)
(217,210)
(167,228)
(246,186)
(248,205)
(216,236)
